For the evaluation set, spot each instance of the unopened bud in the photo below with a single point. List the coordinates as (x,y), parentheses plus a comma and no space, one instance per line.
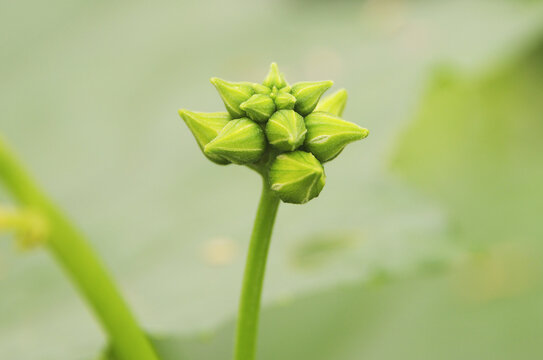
(284,100)
(233,94)
(261,89)
(327,135)
(333,104)
(286,130)
(258,107)
(307,95)
(241,141)
(286,89)
(296,177)
(275,78)
(205,127)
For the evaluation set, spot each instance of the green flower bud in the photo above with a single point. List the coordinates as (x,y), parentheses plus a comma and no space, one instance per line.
(284,100)
(233,94)
(259,107)
(286,89)
(286,130)
(333,104)
(274,92)
(261,89)
(275,78)
(327,135)
(308,94)
(241,141)
(205,127)
(296,177)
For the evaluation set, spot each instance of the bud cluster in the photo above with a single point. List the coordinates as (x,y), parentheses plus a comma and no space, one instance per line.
(287,132)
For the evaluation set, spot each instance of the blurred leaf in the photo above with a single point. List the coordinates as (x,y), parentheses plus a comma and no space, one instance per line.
(89,95)
(476,147)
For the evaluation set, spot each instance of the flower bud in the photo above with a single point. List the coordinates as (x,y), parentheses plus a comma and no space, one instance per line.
(284,100)
(286,130)
(333,104)
(296,177)
(307,95)
(259,107)
(261,89)
(233,94)
(241,141)
(327,135)
(205,127)
(286,89)
(275,78)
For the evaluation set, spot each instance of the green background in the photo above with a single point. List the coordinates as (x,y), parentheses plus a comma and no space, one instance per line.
(424,244)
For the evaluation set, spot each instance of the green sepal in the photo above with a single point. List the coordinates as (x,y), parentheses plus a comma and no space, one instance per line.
(205,127)
(307,95)
(327,135)
(333,104)
(241,141)
(284,101)
(286,89)
(286,130)
(258,107)
(296,177)
(275,78)
(261,89)
(233,94)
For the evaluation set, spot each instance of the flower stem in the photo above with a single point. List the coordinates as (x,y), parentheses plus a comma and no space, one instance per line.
(249,306)
(78,259)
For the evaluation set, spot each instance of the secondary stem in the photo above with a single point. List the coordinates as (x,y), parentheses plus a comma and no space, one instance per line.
(79,260)
(249,306)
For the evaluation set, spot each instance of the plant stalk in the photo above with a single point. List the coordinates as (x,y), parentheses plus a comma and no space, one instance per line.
(253,278)
(78,259)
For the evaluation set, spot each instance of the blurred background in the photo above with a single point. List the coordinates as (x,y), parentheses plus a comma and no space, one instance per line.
(426,242)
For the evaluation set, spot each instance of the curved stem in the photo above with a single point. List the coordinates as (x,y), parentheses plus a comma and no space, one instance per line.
(249,306)
(73,252)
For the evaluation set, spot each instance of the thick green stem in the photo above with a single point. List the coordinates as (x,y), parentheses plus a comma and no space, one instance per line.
(249,306)
(79,260)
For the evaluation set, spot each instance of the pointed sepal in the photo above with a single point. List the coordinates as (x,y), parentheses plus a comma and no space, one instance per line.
(284,101)
(307,95)
(296,177)
(275,78)
(233,94)
(333,104)
(286,130)
(327,135)
(258,107)
(241,141)
(261,89)
(205,127)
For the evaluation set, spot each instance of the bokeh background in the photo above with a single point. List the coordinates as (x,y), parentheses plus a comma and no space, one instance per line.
(426,242)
